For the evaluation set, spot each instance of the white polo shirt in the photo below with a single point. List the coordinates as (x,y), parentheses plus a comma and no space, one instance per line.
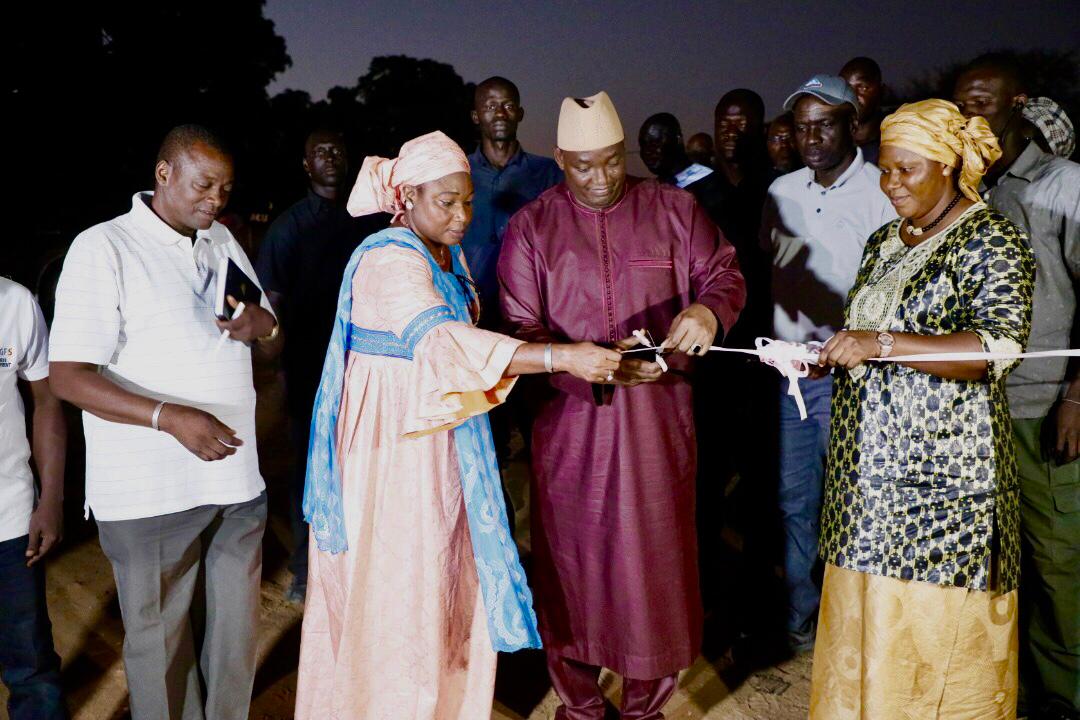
(816,235)
(131,299)
(24,355)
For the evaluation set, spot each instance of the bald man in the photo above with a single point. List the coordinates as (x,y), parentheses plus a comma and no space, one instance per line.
(699,148)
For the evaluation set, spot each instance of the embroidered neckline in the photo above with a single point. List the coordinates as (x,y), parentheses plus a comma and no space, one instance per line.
(874,305)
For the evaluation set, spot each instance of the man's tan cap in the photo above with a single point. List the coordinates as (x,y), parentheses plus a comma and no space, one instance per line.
(588,123)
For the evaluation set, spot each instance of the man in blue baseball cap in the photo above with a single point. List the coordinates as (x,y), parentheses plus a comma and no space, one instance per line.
(815,224)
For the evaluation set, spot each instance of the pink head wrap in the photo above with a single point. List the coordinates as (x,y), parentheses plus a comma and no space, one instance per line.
(423,159)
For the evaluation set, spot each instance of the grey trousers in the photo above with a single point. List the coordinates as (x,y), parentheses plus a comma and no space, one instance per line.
(158,564)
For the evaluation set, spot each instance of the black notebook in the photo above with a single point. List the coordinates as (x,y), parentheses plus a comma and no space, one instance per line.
(231,280)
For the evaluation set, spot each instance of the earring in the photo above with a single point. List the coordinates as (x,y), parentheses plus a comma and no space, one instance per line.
(408,205)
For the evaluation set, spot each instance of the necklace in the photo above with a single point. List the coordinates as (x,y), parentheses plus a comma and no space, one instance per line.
(917,231)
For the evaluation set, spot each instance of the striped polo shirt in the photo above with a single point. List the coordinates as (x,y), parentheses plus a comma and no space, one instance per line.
(136,298)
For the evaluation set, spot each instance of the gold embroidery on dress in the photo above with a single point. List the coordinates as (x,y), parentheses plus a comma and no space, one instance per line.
(875,303)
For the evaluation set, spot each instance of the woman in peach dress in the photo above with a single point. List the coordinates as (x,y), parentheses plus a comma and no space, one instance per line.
(414,579)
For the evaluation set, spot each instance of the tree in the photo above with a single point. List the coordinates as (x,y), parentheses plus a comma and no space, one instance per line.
(404,97)
(93,92)
(397,99)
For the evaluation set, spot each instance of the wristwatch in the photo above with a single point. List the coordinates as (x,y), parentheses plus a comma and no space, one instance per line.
(885,342)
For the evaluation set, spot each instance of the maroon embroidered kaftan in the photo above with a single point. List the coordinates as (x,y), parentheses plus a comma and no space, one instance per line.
(613,540)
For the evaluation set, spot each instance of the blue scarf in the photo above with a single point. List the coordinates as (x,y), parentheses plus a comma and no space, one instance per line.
(507,598)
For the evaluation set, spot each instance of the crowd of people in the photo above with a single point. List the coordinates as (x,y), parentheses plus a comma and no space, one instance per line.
(919,520)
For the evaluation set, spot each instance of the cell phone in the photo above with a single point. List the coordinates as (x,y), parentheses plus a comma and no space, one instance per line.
(231,280)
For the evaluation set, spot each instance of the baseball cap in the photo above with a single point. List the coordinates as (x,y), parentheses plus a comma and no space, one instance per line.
(831,89)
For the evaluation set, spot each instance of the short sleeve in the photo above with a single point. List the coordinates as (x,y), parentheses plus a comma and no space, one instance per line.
(87,320)
(997,279)
(34,364)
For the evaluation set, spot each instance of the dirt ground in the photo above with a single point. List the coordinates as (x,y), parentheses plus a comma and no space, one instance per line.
(89,634)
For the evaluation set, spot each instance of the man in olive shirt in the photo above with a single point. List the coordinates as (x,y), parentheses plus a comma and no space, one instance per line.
(300,264)
(1041,193)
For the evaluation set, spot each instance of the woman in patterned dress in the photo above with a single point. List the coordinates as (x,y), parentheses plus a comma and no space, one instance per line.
(920,524)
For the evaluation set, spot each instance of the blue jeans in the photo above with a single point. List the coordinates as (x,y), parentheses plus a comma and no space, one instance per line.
(28,664)
(803,447)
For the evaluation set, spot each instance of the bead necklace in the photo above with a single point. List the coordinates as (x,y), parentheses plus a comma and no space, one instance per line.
(917,231)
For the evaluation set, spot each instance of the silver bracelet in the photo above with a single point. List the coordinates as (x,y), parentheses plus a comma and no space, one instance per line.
(547,359)
(156,415)
(1074,402)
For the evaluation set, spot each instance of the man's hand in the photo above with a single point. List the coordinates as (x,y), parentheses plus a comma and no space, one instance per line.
(46,528)
(200,432)
(1067,440)
(255,322)
(634,371)
(693,331)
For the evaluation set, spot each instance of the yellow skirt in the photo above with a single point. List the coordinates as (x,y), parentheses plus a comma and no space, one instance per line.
(892,649)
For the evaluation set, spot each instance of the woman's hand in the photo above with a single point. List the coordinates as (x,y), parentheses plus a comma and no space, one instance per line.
(849,349)
(584,360)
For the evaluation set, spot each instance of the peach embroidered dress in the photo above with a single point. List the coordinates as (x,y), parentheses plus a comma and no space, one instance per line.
(414,582)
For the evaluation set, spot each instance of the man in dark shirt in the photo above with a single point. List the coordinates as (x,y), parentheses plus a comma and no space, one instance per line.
(300,264)
(719,380)
(664,153)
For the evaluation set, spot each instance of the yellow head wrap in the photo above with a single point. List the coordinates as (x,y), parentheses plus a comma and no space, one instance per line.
(938,131)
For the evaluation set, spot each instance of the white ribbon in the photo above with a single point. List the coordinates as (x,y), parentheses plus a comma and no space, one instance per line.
(793,360)
(646,343)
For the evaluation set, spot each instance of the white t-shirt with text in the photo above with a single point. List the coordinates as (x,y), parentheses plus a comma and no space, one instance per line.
(24,355)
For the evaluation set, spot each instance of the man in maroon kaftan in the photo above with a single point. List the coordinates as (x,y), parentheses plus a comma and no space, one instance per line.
(613,538)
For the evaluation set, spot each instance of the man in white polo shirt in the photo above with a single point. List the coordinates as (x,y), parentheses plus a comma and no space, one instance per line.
(28,664)
(816,222)
(172,473)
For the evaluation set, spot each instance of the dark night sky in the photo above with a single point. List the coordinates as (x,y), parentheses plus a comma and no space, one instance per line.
(676,56)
